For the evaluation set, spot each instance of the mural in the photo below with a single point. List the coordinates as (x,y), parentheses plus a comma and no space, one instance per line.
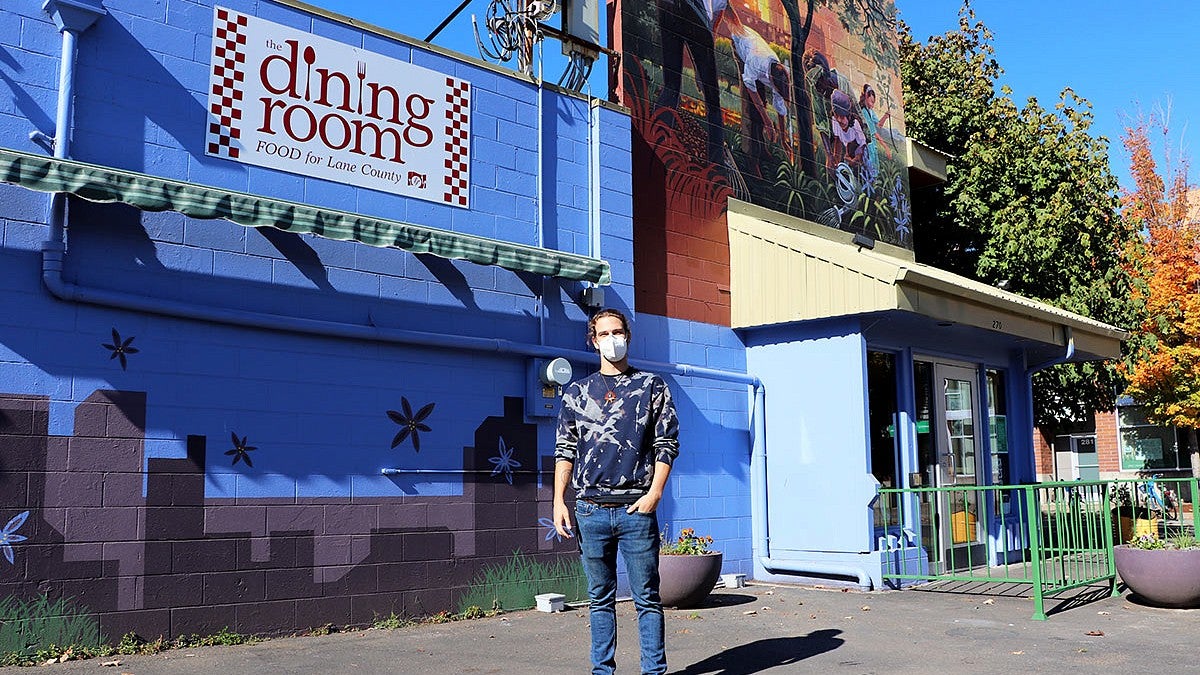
(794,105)
(101,540)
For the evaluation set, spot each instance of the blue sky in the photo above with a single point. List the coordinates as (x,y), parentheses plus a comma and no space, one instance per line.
(1120,56)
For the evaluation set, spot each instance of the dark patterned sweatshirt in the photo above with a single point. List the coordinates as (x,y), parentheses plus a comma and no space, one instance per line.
(614,444)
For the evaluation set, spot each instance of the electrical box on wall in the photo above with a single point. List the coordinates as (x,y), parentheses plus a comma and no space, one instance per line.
(581,18)
(545,382)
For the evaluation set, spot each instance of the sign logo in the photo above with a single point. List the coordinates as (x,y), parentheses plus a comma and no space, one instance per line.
(288,100)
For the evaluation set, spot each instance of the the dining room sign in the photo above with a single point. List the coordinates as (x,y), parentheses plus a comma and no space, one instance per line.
(286,99)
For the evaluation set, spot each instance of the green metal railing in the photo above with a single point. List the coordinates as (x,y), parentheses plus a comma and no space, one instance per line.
(1052,537)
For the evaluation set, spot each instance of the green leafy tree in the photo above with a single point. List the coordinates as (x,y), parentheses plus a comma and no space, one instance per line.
(1030,204)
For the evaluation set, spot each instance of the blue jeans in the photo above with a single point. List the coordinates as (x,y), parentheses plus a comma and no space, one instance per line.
(602,531)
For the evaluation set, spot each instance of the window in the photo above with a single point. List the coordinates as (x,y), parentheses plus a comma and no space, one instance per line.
(997,401)
(1145,446)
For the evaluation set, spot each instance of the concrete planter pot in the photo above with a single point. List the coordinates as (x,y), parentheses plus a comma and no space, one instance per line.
(685,580)
(1163,577)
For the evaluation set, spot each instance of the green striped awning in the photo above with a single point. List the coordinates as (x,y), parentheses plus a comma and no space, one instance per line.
(150,193)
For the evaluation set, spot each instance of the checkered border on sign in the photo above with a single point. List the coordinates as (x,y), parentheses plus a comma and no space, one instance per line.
(458,151)
(228,75)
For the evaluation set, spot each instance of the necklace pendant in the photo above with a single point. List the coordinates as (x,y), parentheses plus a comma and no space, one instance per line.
(610,397)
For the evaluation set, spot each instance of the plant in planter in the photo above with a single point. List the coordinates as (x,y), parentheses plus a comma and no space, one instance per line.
(1162,572)
(1131,517)
(687,569)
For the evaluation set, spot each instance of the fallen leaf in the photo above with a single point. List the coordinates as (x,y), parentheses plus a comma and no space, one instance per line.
(989,601)
(1095,633)
(49,662)
(110,664)
(66,656)
(866,608)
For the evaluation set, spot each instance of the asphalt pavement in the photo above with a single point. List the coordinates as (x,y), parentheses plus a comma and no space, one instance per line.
(756,629)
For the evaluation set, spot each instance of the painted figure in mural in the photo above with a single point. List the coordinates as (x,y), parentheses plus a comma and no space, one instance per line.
(618,436)
(821,80)
(848,144)
(763,76)
(691,27)
(872,123)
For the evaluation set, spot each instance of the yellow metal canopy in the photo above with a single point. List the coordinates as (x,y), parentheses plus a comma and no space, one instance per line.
(783,269)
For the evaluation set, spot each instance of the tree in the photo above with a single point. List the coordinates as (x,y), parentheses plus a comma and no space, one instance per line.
(1030,203)
(1164,367)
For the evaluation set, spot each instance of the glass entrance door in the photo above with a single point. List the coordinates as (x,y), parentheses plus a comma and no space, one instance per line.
(957,429)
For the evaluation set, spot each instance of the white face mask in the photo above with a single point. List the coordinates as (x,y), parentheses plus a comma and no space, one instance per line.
(612,347)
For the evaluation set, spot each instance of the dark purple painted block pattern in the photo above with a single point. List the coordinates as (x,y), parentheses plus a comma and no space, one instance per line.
(290,583)
(204,555)
(351,519)
(295,518)
(224,588)
(265,618)
(173,590)
(365,609)
(403,516)
(104,454)
(149,624)
(314,612)
(122,489)
(22,453)
(174,522)
(242,520)
(348,580)
(101,524)
(428,546)
(283,552)
(201,620)
(74,489)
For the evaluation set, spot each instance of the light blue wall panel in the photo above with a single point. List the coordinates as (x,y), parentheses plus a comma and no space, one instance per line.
(819,484)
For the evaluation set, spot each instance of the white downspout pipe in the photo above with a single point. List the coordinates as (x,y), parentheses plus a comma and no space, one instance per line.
(72,18)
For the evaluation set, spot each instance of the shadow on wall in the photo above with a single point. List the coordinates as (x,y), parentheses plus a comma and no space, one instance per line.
(139,97)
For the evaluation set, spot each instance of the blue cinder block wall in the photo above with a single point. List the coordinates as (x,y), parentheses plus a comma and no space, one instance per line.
(182,476)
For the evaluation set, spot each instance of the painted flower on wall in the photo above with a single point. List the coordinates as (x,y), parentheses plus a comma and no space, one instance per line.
(120,349)
(552,532)
(9,536)
(902,209)
(505,462)
(240,450)
(409,423)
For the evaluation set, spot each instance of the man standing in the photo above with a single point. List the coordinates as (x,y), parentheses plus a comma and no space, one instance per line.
(617,438)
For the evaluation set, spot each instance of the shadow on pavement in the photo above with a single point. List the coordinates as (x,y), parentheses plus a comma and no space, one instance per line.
(761,655)
(715,600)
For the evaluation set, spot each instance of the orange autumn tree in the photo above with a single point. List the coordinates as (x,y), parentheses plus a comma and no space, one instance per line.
(1164,364)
